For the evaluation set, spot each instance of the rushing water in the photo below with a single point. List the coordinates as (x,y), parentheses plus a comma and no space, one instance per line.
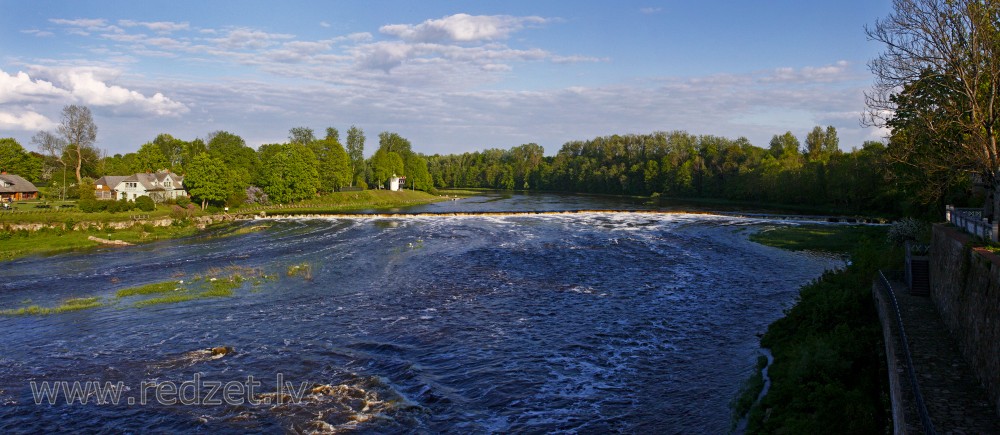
(593,322)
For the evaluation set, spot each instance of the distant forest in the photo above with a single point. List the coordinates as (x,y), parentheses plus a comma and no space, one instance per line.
(681,165)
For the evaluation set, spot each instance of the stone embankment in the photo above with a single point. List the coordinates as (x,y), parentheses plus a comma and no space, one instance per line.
(200,221)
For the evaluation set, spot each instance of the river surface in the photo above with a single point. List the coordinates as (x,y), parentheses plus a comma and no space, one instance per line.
(581,323)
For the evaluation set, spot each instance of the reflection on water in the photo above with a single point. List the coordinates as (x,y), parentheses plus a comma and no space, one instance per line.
(589,322)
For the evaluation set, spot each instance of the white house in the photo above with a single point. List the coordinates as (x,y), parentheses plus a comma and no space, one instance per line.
(395,181)
(160,186)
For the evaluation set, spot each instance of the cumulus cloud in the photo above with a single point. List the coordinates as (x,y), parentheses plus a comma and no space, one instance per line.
(461,28)
(25,120)
(20,88)
(84,85)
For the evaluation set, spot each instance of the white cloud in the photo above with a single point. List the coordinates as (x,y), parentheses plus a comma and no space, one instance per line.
(249,39)
(25,120)
(650,10)
(461,28)
(156,26)
(85,85)
(20,88)
(324,24)
(38,33)
(87,23)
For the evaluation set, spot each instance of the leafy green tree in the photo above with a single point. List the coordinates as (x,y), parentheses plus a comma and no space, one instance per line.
(172,150)
(334,166)
(384,165)
(394,143)
(150,158)
(820,144)
(15,159)
(301,135)
(415,169)
(208,179)
(236,156)
(290,173)
(356,152)
(333,134)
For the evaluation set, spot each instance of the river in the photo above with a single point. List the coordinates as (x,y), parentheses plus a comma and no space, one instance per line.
(589,322)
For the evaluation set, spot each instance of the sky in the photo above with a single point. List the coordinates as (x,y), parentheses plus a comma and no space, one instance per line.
(450,76)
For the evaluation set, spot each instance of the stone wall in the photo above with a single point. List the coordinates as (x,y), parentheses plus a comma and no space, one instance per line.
(965,287)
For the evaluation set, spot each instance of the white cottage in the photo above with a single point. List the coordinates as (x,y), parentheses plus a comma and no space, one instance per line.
(160,186)
(395,182)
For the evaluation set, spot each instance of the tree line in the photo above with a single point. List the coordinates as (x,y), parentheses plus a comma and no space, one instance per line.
(681,165)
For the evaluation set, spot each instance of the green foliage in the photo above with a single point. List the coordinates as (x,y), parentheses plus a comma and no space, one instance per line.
(14,159)
(290,173)
(182,201)
(240,160)
(680,165)
(208,179)
(826,375)
(145,203)
(334,168)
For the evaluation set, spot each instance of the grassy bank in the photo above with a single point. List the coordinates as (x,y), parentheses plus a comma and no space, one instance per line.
(340,202)
(20,243)
(828,369)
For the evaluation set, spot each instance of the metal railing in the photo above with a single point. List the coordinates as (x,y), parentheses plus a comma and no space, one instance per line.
(972,221)
(925,417)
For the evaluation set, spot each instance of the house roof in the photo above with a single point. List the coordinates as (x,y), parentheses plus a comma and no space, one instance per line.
(110,181)
(10,183)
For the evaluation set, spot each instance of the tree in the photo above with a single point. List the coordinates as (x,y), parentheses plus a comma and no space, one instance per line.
(820,144)
(207,179)
(15,160)
(415,169)
(334,166)
(53,146)
(301,135)
(172,150)
(290,173)
(384,165)
(785,146)
(392,142)
(333,134)
(356,151)
(236,156)
(936,85)
(150,158)
(80,132)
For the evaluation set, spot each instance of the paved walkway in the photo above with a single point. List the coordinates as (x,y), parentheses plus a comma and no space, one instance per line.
(956,402)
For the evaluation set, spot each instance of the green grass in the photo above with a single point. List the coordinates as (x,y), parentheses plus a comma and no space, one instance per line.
(834,238)
(148,289)
(171,299)
(21,243)
(339,202)
(75,304)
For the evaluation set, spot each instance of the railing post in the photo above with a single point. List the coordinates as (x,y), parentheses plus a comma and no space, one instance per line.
(947,212)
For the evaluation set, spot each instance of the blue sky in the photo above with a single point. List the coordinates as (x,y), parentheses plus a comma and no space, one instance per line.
(450,76)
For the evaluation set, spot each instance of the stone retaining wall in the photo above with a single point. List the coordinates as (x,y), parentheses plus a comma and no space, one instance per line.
(965,287)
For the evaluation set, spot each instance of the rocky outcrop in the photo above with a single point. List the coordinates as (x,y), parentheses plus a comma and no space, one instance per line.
(109,242)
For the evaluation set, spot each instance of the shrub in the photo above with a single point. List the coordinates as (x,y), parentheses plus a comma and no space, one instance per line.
(145,203)
(90,205)
(177,212)
(254,195)
(183,201)
(905,229)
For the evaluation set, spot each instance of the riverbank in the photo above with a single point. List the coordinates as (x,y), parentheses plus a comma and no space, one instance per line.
(47,232)
(828,370)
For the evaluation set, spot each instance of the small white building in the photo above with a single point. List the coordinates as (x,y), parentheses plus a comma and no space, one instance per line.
(395,182)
